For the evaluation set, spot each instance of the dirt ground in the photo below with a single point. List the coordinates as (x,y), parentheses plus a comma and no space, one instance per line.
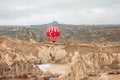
(67,61)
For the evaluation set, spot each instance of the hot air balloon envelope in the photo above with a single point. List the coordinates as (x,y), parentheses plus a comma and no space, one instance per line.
(53,33)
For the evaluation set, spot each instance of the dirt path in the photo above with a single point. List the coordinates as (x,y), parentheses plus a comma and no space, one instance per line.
(63,69)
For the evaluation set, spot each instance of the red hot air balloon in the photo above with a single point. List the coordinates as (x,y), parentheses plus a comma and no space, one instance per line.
(53,33)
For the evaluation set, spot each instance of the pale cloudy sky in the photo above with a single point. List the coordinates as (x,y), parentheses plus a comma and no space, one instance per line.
(27,12)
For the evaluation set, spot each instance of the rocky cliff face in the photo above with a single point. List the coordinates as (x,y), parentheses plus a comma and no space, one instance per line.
(83,59)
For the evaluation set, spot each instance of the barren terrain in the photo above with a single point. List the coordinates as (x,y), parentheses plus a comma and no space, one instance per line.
(20,59)
(83,52)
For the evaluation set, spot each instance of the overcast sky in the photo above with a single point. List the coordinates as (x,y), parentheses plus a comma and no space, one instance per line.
(28,12)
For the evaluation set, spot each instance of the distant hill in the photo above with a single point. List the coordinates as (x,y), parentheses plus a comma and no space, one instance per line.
(81,33)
